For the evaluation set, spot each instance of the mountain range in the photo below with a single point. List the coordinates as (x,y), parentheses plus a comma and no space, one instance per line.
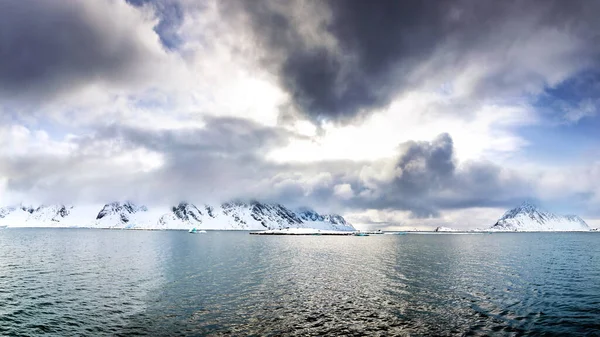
(239,215)
(236,215)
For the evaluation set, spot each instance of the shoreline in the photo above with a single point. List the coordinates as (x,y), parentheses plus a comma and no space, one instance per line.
(280,231)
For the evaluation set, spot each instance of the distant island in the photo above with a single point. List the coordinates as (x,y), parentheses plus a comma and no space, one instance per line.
(528,217)
(235,215)
(531,218)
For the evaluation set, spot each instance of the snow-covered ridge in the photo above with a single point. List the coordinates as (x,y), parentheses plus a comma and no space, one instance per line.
(530,218)
(235,215)
(46,216)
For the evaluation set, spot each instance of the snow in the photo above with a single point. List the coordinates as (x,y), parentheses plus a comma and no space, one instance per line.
(128,215)
(4,211)
(443,233)
(14,215)
(444,229)
(530,218)
(58,216)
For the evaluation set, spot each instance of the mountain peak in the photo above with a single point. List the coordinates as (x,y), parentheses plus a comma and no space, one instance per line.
(529,217)
(529,207)
(528,204)
(120,208)
(308,214)
(185,211)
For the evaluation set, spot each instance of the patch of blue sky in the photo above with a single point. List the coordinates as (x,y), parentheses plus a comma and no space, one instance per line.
(170,15)
(570,131)
(572,100)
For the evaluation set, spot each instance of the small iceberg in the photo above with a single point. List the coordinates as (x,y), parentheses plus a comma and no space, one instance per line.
(196,231)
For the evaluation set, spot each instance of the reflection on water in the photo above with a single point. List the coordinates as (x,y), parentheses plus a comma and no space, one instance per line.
(64,282)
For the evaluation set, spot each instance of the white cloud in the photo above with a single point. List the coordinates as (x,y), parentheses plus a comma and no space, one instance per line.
(344,191)
(585,108)
(463,219)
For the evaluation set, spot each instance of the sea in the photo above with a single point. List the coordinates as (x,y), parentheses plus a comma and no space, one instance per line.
(88,282)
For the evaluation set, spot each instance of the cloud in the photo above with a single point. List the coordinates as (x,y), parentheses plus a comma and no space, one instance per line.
(425,162)
(225,159)
(463,219)
(343,191)
(217,162)
(49,49)
(425,178)
(411,109)
(585,108)
(339,61)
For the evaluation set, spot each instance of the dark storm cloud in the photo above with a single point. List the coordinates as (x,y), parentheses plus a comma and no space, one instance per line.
(425,164)
(418,174)
(425,178)
(374,38)
(51,47)
(423,170)
(379,47)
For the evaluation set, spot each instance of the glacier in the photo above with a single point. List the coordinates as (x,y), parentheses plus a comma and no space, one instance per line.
(530,218)
(236,215)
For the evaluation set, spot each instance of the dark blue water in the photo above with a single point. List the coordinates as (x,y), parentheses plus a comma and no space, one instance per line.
(101,282)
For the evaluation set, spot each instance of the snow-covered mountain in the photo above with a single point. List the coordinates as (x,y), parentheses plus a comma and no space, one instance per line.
(530,218)
(247,216)
(326,221)
(125,215)
(44,216)
(229,216)
(4,211)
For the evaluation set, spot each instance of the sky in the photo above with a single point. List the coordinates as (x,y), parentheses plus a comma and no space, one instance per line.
(395,114)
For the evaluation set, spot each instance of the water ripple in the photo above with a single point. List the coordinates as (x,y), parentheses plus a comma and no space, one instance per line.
(124,283)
